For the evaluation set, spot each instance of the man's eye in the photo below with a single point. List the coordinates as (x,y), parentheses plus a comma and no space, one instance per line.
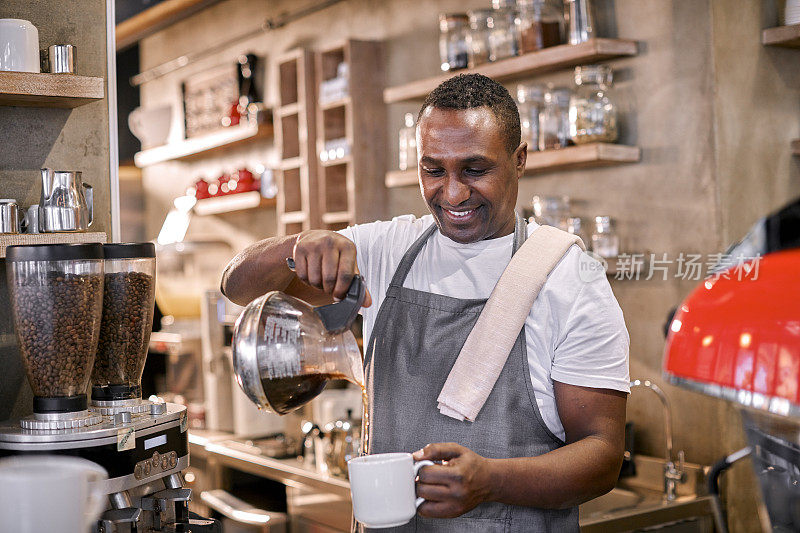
(475,171)
(433,171)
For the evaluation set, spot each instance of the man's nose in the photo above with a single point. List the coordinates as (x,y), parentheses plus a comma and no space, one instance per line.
(456,191)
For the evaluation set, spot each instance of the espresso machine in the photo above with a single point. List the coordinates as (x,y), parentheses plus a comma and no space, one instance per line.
(84,312)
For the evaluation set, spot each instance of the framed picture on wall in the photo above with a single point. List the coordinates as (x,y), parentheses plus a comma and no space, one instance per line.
(209,98)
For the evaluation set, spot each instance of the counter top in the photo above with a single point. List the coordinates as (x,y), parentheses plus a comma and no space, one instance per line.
(247,458)
(633,505)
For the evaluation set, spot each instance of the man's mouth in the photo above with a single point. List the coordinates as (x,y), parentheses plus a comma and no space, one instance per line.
(460,215)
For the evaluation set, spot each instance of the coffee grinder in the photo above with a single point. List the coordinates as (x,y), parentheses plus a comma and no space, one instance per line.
(65,298)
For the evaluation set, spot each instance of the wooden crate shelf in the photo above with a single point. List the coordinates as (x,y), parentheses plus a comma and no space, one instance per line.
(572,157)
(204,145)
(348,191)
(232,203)
(50,238)
(32,89)
(289,109)
(786,36)
(524,66)
(796,147)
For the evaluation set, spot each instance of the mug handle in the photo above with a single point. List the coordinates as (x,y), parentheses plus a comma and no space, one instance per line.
(417,466)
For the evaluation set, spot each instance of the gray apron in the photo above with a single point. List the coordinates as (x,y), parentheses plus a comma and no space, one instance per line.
(415,341)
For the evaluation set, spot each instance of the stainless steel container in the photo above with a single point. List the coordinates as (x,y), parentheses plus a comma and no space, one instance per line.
(62,59)
(9,216)
(581,22)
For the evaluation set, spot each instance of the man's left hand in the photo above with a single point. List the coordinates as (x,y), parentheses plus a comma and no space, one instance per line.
(462,481)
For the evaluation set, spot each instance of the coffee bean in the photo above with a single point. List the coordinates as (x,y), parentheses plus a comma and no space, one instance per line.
(125,331)
(57,318)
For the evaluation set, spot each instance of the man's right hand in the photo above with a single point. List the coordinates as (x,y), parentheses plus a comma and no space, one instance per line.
(326,260)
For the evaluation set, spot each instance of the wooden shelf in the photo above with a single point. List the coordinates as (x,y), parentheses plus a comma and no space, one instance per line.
(786,36)
(796,147)
(232,203)
(289,109)
(32,89)
(333,104)
(582,156)
(292,162)
(197,146)
(402,178)
(339,161)
(50,238)
(524,66)
(337,217)
(293,217)
(572,157)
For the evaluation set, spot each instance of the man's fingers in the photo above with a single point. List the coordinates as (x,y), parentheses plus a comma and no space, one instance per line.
(440,451)
(330,271)
(434,492)
(346,269)
(437,475)
(301,268)
(314,266)
(439,510)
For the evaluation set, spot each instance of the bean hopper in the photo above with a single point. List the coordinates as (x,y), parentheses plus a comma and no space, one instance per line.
(57,299)
(128,304)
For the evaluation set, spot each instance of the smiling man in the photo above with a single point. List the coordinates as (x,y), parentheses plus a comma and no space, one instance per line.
(550,434)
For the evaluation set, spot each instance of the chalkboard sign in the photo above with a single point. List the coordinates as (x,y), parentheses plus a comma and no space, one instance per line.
(126,9)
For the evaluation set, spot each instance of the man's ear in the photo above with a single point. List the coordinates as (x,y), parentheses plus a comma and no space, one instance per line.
(520,158)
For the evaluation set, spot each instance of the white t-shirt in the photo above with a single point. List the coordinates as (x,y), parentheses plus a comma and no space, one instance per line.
(575,331)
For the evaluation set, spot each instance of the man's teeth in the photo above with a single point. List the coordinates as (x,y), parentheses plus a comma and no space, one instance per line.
(460,214)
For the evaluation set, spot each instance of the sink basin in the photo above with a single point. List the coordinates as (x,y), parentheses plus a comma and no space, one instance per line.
(615,500)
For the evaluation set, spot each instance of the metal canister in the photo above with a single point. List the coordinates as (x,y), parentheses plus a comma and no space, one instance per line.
(9,216)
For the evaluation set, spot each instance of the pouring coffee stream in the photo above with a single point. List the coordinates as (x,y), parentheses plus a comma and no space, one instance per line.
(285,350)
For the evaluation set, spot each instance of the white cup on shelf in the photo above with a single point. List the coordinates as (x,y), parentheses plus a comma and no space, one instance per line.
(19,46)
(383,488)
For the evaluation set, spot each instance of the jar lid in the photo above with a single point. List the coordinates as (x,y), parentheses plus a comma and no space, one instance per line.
(54,252)
(129,250)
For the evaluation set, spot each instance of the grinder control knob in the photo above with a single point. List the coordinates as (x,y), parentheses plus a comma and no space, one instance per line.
(158,408)
(123,417)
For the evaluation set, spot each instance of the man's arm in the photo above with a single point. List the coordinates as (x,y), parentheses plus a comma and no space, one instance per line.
(325,263)
(586,467)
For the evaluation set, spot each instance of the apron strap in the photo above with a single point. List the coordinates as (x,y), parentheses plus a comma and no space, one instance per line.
(520,235)
(489,344)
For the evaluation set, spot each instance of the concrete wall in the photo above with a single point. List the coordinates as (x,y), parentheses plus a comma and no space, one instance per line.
(63,139)
(712,110)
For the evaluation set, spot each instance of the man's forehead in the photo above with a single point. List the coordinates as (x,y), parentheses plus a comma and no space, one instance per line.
(473,117)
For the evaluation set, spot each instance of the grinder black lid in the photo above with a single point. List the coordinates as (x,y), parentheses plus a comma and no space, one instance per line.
(54,252)
(129,250)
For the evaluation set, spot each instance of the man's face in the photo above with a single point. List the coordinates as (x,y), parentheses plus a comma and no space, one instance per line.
(467,177)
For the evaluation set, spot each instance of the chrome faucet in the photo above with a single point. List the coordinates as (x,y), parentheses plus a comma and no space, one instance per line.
(672,474)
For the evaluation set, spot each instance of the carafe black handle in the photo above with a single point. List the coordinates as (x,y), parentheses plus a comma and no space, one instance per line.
(337,317)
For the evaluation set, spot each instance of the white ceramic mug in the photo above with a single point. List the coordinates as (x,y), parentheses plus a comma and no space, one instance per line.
(50,493)
(19,46)
(383,489)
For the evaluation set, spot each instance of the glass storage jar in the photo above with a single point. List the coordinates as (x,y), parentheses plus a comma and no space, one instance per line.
(453,40)
(530,99)
(478,36)
(408,144)
(503,33)
(541,24)
(592,112)
(554,119)
(129,290)
(57,303)
(605,241)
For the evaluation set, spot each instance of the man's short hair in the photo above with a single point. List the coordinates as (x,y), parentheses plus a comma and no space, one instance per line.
(467,91)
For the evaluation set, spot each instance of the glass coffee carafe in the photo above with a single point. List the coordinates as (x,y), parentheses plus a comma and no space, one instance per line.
(128,304)
(285,350)
(56,301)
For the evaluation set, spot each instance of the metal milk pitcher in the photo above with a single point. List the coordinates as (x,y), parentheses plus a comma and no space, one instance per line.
(66,202)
